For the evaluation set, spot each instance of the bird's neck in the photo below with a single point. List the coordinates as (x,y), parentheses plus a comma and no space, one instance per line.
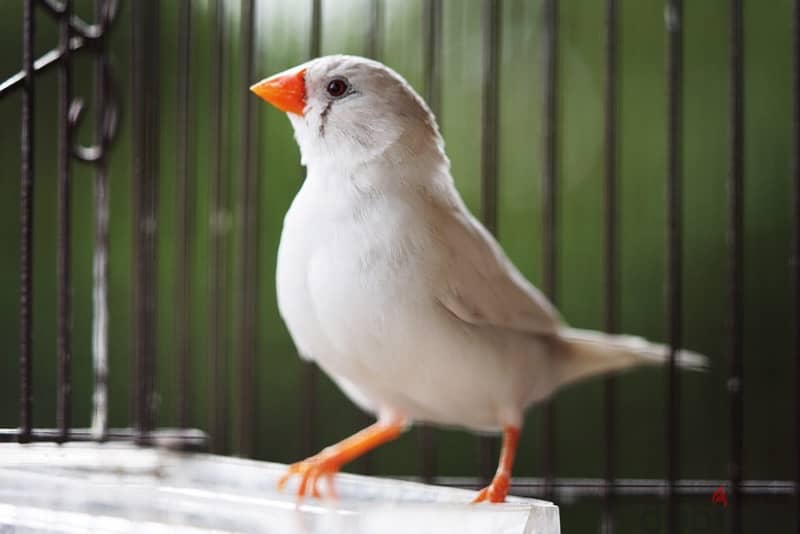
(411,161)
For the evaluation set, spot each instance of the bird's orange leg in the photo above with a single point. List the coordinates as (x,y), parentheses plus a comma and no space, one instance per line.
(498,489)
(327,462)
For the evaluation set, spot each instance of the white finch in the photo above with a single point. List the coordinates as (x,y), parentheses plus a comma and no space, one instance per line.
(396,291)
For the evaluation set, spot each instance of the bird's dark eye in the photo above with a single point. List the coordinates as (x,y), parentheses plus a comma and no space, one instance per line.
(337,87)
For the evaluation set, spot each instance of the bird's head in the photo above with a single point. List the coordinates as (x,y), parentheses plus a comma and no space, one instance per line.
(351,109)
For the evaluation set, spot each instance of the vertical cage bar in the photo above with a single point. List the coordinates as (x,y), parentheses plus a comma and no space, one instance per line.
(549,210)
(26,227)
(432,61)
(735,260)
(310,370)
(218,410)
(145,50)
(101,243)
(374,46)
(795,251)
(610,240)
(137,178)
(184,213)
(248,286)
(153,35)
(315,42)
(674,282)
(489,161)
(63,320)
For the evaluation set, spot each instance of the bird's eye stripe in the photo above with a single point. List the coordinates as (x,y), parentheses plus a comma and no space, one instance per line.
(324,118)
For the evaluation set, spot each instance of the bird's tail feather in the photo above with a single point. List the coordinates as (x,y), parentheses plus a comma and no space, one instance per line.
(590,353)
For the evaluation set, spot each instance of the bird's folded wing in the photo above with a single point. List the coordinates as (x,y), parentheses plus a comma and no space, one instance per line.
(483,287)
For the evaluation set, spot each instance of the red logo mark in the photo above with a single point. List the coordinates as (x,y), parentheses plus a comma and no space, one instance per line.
(719,497)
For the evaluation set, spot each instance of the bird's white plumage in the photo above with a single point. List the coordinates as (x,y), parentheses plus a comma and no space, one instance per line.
(389,283)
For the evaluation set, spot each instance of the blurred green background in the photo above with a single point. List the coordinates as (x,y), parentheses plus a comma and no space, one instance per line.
(283,41)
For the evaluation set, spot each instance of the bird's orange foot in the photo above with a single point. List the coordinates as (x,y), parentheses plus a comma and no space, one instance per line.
(496,491)
(310,471)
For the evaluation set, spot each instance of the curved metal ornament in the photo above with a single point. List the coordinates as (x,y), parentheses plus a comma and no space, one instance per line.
(90,38)
(75,35)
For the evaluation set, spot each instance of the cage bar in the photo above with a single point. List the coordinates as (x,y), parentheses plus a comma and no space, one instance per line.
(64,279)
(249,208)
(549,205)
(145,112)
(374,45)
(144,181)
(137,179)
(102,136)
(26,227)
(83,34)
(218,209)
(735,260)
(432,83)
(489,113)
(569,489)
(153,95)
(674,282)
(185,195)
(795,248)
(611,252)
(489,163)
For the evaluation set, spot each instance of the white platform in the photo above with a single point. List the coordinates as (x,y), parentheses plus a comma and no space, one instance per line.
(119,488)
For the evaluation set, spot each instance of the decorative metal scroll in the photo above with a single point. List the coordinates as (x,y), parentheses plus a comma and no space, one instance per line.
(74,36)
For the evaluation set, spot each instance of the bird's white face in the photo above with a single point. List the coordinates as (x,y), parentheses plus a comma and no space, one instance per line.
(349,109)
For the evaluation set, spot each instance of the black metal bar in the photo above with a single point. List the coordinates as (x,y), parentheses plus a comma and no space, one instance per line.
(76,25)
(42,64)
(184,213)
(101,245)
(315,43)
(248,285)
(735,259)
(611,205)
(489,113)
(795,259)
(145,50)
(796,247)
(569,489)
(549,203)
(63,320)
(310,371)
(674,282)
(173,438)
(137,178)
(154,150)
(489,162)
(432,61)
(26,228)
(153,35)
(83,36)
(218,411)
(374,46)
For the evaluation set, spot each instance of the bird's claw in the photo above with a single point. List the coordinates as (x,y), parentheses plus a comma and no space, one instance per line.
(494,492)
(310,471)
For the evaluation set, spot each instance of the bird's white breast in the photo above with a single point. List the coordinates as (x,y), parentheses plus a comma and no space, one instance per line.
(356,291)
(343,261)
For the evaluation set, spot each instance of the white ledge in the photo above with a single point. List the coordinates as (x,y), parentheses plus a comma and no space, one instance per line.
(120,488)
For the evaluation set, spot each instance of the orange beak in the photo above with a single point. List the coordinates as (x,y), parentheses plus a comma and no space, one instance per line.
(285,91)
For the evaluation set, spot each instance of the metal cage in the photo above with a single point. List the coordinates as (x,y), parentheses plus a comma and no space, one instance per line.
(78,37)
